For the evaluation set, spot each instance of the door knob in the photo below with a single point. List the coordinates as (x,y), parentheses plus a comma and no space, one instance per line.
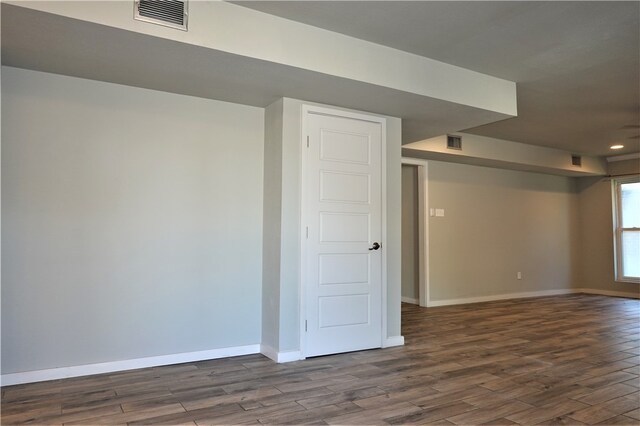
(375,246)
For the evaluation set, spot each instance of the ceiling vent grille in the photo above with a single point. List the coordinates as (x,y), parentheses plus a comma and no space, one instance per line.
(170,13)
(454,142)
(576,160)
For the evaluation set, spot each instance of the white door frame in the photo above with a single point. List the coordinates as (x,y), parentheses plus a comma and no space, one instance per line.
(423,229)
(312,109)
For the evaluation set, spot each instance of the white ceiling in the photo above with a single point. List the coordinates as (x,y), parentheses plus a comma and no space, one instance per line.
(577,64)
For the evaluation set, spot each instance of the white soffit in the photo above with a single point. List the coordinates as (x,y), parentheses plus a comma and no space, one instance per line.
(615,158)
(492,152)
(240,55)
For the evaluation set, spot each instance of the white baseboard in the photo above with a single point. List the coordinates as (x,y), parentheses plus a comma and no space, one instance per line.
(433,303)
(289,356)
(410,300)
(280,357)
(608,292)
(269,352)
(129,364)
(393,341)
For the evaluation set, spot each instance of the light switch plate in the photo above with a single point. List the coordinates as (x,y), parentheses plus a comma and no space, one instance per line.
(432,212)
(439,212)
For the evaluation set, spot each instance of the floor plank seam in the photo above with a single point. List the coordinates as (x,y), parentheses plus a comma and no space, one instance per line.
(507,362)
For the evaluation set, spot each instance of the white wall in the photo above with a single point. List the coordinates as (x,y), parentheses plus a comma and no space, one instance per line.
(497,223)
(132,222)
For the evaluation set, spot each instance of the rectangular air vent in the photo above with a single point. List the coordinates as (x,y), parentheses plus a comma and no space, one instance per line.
(454,142)
(576,160)
(170,13)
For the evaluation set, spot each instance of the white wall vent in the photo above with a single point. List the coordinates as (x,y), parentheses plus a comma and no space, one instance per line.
(170,13)
(454,142)
(576,160)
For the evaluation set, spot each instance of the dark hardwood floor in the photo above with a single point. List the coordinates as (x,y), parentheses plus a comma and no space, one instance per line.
(556,360)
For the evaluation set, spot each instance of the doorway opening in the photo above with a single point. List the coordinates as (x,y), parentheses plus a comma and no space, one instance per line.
(415,231)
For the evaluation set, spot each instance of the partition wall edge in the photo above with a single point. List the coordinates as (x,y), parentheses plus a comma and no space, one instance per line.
(423,228)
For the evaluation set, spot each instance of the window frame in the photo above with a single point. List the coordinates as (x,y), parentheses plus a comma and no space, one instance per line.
(618,230)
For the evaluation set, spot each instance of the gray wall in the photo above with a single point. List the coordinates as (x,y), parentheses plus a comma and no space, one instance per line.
(272,225)
(498,222)
(596,225)
(132,222)
(289,326)
(394,225)
(410,233)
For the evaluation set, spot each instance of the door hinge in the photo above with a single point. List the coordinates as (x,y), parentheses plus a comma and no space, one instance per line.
(307,141)
(307,232)
(305,325)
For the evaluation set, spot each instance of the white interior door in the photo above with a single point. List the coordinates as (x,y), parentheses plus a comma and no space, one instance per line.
(343,285)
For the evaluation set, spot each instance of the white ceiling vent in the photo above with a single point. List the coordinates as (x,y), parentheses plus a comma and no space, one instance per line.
(454,142)
(170,13)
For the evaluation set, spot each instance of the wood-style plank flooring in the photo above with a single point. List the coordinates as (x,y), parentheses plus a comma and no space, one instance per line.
(556,360)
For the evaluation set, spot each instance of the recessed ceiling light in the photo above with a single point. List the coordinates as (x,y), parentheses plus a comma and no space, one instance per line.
(616,146)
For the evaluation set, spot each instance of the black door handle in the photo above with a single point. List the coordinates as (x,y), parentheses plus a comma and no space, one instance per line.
(376,246)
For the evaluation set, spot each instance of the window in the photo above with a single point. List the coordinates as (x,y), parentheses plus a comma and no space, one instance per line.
(626,219)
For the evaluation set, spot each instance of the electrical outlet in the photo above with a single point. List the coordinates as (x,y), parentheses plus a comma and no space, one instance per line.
(519,275)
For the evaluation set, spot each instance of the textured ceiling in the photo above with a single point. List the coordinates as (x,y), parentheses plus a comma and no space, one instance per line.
(577,64)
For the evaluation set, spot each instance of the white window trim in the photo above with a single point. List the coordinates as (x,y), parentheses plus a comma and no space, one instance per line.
(617,231)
